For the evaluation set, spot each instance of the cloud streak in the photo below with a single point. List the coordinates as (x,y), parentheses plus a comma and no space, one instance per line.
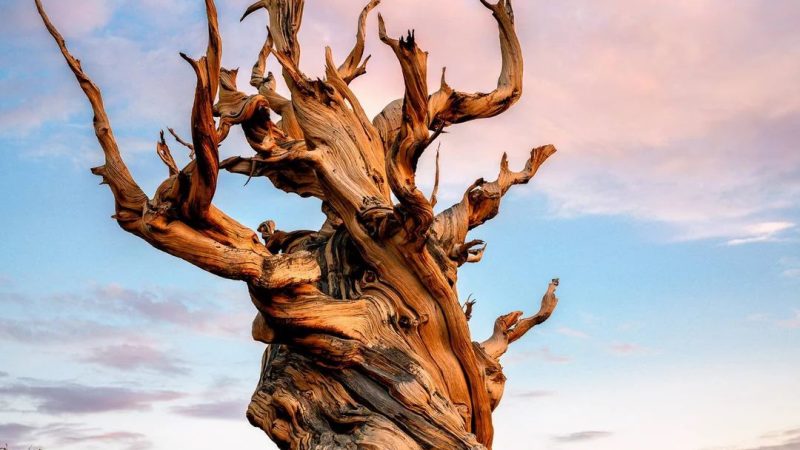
(581,436)
(132,357)
(70,435)
(223,409)
(660,126)
(74,398)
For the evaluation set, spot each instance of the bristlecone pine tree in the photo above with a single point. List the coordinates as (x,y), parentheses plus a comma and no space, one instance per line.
(368,345)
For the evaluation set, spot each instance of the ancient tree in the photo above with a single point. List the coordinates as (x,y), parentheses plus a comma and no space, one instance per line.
(368,345)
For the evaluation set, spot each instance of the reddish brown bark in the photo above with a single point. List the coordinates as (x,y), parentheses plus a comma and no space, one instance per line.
(368,345)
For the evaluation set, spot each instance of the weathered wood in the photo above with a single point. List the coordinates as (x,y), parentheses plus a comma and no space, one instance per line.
(368,344)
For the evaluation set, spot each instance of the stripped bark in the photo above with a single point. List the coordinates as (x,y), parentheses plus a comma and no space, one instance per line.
(368,344)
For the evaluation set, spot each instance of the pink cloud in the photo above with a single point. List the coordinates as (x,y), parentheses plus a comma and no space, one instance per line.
(627,349)
(70,435)
(542,354)
(656,115)
(73,398)
(133,357)
(222,409)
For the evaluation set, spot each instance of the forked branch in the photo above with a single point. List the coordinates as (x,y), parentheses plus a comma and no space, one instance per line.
(205,139)
(169,221)
(509,328)
(353,66)
(413,137)
(449,106)
(481,202)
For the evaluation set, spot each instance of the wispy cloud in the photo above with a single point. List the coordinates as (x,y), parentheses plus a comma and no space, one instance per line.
(131,357)
(542,354)
(73,398)
(70,435)
(83,436)
(531,394)
(775,440)
(762,232)
(571,332)
(14,432)
(222,409)
(627,349)
(581,436)
(110,312)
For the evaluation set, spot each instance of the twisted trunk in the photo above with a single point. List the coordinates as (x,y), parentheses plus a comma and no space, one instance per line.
(368,344)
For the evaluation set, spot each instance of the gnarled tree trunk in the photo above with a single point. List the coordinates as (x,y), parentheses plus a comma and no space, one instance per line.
(368,345)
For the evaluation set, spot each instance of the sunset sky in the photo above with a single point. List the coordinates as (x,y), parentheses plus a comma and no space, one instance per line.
(670,214)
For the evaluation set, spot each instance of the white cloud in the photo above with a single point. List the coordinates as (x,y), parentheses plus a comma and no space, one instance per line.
(572,332)
(662,126)
(762,232)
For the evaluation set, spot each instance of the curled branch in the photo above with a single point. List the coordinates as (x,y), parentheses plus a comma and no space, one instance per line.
(449,106)
(353,66)
(509,328)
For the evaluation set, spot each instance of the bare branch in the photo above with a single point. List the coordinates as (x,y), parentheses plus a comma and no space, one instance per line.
(249,111)
(353,66)
(162,149)
(285,18)
(182,142)
(291,167)
(413,137)
(227,248)
(448,106)
(257,77)
(205,139)
(266,87)
(435,191)
(509,328)
(468,305)
(129,197)
(481,202)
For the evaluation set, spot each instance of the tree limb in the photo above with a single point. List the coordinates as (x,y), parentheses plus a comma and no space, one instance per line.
(413,137)
(205,139)
(162,149)
(481,202)
(266,87)
(509,328)
(226,248)
(182,142)
(353,66)
(128,196)
(448,106)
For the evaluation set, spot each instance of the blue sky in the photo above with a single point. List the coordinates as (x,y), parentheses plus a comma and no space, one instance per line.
(670,214)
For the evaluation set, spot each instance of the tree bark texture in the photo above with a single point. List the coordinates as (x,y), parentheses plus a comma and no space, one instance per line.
(368,345)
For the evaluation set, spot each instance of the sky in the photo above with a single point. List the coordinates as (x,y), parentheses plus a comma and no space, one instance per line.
(670,214)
